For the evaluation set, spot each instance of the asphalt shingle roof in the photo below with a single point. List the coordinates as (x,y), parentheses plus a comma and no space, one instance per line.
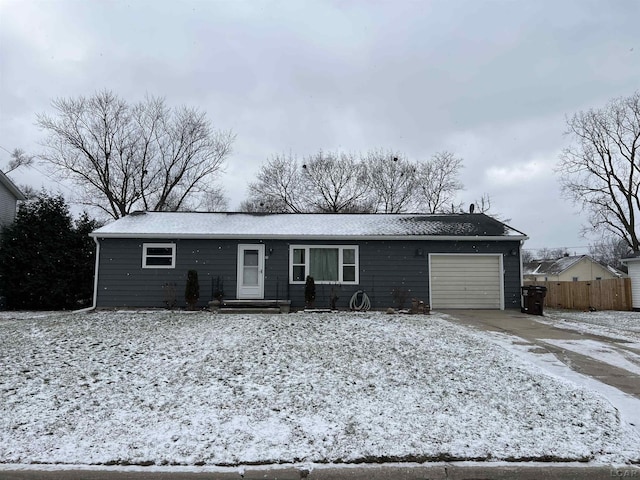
(556,267)
(321,225)
(550,267)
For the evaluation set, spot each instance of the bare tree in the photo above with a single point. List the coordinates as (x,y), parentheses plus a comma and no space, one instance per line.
(609,251)
(392,180)
(439,183)
(601,170)
(379,181)
(336,183)
(278,187)
(214,201)
(125,157)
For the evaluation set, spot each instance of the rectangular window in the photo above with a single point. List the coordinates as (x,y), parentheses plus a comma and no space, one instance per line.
(159,255)
(349,265)
(325,263)
(298,265)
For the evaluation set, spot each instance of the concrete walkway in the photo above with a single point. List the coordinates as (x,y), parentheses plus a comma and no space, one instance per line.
(535,333)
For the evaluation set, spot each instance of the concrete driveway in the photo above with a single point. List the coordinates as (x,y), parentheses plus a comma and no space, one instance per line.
(535,333)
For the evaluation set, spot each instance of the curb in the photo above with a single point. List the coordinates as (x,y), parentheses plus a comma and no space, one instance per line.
(439,471)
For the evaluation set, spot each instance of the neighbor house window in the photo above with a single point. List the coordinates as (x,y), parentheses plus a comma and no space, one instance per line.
(326,264)
(575,279)
(159,255)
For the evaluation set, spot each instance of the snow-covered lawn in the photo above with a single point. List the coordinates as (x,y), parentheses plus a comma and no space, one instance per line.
(203,389)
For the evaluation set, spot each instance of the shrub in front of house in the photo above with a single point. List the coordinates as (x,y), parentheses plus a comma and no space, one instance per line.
(192,290)
(309,292)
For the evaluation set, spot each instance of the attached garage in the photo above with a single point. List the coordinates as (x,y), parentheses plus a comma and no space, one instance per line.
(466,281)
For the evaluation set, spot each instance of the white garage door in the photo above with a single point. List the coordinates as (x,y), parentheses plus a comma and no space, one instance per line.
(466,281)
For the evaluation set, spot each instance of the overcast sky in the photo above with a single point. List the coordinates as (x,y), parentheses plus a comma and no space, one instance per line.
(491,81)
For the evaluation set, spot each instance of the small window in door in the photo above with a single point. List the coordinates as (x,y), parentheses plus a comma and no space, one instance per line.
(250,267)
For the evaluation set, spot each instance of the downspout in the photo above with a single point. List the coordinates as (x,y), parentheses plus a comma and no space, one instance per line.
(95,281)
(521,275)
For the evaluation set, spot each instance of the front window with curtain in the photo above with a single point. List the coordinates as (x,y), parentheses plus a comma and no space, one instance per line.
(325,263)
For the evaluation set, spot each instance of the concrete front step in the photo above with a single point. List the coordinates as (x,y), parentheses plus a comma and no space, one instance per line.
(250,306)
(226,310)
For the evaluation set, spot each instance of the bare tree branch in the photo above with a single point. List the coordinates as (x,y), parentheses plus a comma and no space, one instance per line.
(19,159)
(484,205)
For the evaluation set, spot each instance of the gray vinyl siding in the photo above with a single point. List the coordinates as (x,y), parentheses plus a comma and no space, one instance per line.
(385,266)
(7,206)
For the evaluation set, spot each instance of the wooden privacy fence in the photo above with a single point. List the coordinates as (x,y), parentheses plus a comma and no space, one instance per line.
(613,294)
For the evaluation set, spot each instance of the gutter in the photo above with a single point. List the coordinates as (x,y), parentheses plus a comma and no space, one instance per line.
(95,281)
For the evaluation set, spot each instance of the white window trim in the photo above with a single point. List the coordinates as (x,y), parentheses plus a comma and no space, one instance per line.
(340,248)
(146,246)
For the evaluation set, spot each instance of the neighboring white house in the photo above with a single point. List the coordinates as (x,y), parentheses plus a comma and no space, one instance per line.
(576,268)
(633,264)
(9,197)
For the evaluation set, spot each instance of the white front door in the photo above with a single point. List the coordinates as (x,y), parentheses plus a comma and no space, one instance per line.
(250,271)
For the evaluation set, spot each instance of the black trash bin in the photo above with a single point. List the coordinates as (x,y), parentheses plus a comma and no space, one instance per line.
(533,299)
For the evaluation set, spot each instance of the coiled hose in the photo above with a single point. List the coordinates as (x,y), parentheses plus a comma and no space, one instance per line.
(364,304)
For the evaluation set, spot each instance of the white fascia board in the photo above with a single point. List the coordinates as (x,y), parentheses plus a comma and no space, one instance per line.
(197,236)
(630,260)
(12,187)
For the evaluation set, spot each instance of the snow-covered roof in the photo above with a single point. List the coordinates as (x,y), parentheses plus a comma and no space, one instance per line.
(562,264)
(306,225)
(615,271)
